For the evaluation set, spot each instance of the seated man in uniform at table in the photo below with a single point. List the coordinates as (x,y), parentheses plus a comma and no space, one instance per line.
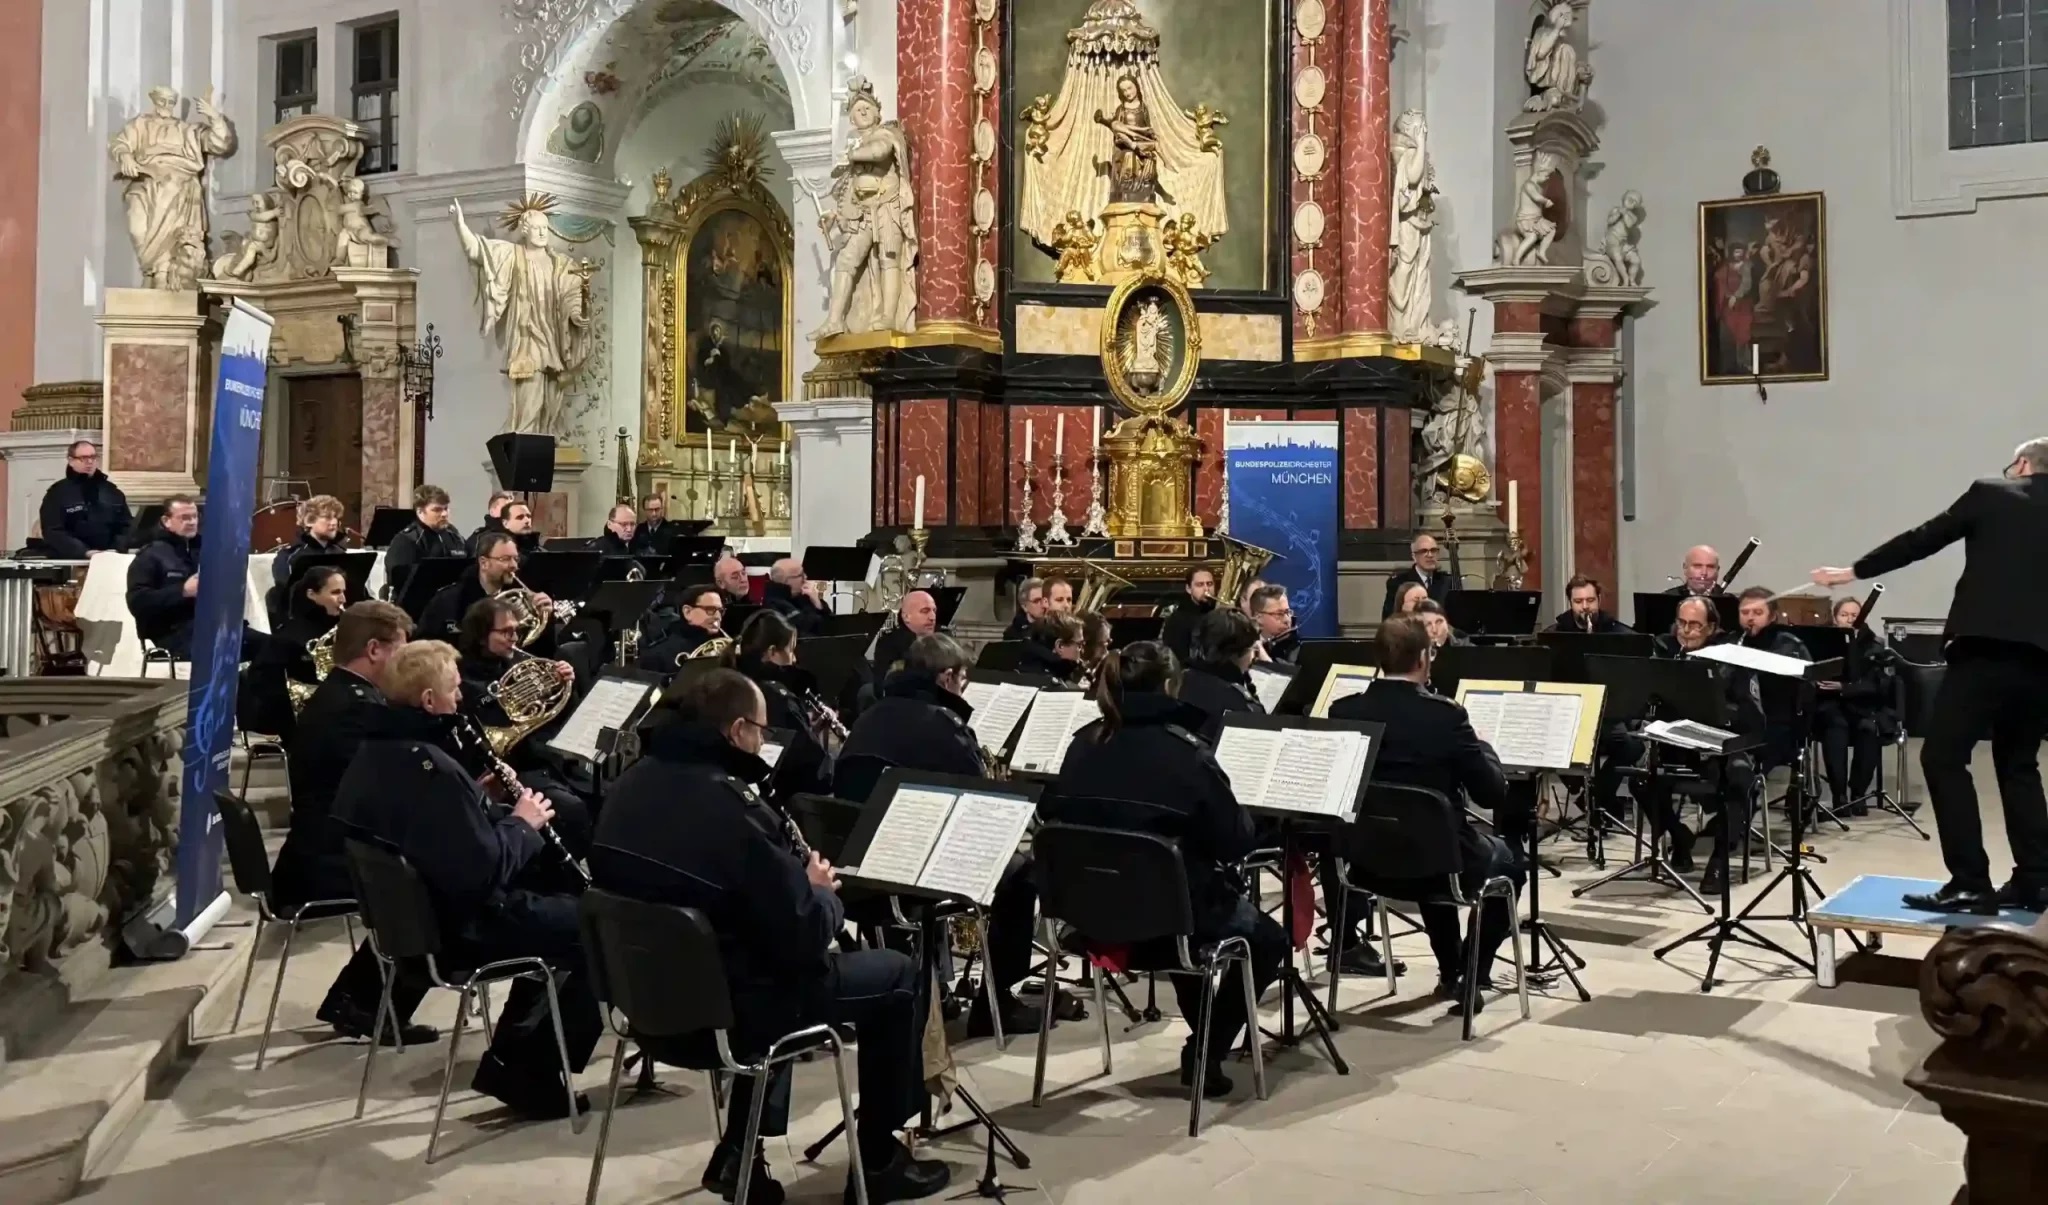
(1437,583)
(163,580)
(1429,742)
(82,511)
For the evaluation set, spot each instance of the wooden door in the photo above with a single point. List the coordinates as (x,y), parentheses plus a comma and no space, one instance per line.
(326,452)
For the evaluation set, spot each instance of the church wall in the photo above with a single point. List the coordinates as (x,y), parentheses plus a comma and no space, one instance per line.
(1932,320)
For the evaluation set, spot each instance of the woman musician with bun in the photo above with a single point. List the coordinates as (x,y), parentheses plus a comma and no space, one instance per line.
(766,654)
(316,601)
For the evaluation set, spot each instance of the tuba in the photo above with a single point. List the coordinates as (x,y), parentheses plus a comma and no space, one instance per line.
(1242,564)
(533,616)
(717,646)
(321,649)
(530,693)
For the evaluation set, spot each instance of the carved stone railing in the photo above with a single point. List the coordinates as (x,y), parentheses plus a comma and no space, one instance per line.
(1985,991)
(88,826)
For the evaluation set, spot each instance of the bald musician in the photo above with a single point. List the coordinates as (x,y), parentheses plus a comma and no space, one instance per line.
(1702,573)
(1436,583)
(1997,679)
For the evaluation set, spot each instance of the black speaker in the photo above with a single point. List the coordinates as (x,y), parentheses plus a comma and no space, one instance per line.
(525,464)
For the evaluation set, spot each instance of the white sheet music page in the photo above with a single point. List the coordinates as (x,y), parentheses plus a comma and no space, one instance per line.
(771,753)
(996,715)
(1056,715)
(609,704)
(975,848)
(1776,664)
(1247,756)
(1342,686)
(978,694)
(1534,731)
(1269,685)
(903,841)
(1315,771)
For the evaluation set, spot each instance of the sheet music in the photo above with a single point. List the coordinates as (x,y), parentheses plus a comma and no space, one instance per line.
(1056,715)
(771,753)
(903,841)
(975,848)
(1344,681)
(1776,664)
(1247,756)
(978,694)
(1316,772)
(1269,685)
(610,703)
(997,713)
(1536,731)
(1687,734)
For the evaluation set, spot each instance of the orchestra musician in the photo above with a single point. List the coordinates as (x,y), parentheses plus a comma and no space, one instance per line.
(495,571)
(1053,647)
(163,580)
(685,826)
(1095,637)
(621,535)
(1585,613)
(1218,680)
(1996,684)
(405,790)
(487,645)
(702,611)
(656,534)
(83,512)
(315,604)
(1441,634)
(1031,603)
(1701,573)
(766,654)
(917,615)
(731,576)
(1408,596)
(1857,716)
(796,597)
(1429,742)
(1758,615)
(1698,625)
(1436,583)
(494,517)
(1179,631)
(919,722)
(428,537)
(1059,595)
(1278,641)
(319,534)
(1141,767)
(312,866)
(518,523)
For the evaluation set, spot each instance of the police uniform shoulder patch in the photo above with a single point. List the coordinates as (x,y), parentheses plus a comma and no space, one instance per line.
(1186,736)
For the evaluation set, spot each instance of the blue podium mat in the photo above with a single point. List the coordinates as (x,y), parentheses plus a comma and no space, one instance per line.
(1876,903)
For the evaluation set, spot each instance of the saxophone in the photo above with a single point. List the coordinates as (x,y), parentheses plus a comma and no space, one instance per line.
(321,649)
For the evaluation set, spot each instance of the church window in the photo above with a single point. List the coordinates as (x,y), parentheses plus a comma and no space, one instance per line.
(1997,72)
(295,82)
(374,94)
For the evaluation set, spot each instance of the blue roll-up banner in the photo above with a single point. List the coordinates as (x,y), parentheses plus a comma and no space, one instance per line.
(231,471)
(1283,482)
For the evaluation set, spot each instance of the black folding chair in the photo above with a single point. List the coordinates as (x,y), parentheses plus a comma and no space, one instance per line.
(1114,887)
(400,916)
(658,974)
(1405,835)
(250,864)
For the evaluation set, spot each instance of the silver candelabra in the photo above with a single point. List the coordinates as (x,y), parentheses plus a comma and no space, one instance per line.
(1098,520)
(1056,533)
(1027,531)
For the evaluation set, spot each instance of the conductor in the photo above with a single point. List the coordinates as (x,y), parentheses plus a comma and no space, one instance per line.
(1997,679)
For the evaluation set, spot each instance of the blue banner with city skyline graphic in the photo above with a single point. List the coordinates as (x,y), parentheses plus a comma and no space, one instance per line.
(1283,482)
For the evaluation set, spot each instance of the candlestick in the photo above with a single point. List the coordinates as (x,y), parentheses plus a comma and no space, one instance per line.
(1027,531)
(1514,506)
(1059,438)
(1027,442)
(1056,533)
(920,503)
(1097,522)
(732,452)
(781,453)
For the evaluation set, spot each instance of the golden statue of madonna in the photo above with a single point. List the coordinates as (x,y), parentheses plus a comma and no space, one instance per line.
(1115,147)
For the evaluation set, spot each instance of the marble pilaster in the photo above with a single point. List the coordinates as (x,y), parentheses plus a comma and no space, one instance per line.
(1594,366)
(1364,170)
(153,365)
(935,41)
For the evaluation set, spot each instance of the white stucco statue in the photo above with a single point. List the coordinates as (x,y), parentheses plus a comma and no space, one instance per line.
(259,247)
(539,301)
(1528,240)
(357,243)
(1619,261)
(1557,80)
(163,158)
(1409,286)
(871,225)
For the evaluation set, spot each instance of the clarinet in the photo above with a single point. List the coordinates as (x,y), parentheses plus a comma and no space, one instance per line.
(478,748)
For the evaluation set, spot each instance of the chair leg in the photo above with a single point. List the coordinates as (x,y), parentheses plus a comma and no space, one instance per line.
(1339,917)
(1101,981)
(1052,963)
(856,1171)
(350,921)
(752,1137)
(1202,1049)
(384,1009)
(483,1011)
(1472,965)
(1387,945)
(277,990)
(1521,964)
(604,1127)
(562,1048)
(1251,1025)
(717,1079)
(248,972)
(988,985)
(447,1074)
(248,767)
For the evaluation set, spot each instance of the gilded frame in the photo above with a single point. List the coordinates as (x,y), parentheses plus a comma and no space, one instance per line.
(1176,390)
(1812,214)
(701,200)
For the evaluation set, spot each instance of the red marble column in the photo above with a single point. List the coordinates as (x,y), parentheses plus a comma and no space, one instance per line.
(1518,454)
(21,100)
(1364,169)
(1595,547)
(935,101)
(1309,57)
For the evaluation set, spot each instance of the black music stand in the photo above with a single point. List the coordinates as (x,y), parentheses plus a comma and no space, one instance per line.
(562,575)
(428,578)
(947,599)
(694,551)
(621,605)
(1291,821)
(1494,612)
(1569,649)
(1494,662)
(1130,629)
(930,923)
(1655,613)
(832,661)
(1822,642)
(618,566)
(1312,669)
(356,566)
(834,563)
(1001,656)
(385,523)
(864,624)
(1639,690)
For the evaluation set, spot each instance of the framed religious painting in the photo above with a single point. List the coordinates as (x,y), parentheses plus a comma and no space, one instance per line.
(1763,289)
(733,315)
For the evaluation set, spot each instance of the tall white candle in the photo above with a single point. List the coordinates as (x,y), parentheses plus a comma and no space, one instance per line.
(1095,425)
(1059,438)
(1027,441)
(1514,506)
(920,502)
(708,453)
(1756,360)
(781,453)
(732,452)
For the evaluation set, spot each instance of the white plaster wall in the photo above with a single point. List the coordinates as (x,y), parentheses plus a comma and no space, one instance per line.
(1932,320)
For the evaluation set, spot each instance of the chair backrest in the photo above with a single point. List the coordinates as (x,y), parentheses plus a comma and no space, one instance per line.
(855,777)
(247,858)
(1403,832)
(1116,887)
(826,822)
(394,901)
(656,963)
(1918,684)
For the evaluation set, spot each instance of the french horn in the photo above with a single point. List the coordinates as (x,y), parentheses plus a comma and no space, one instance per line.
(530,693)
(714,647)
(321,649)
(533,615)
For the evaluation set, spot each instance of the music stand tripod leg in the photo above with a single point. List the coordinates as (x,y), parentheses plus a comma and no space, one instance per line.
(930,934)
(1562,956)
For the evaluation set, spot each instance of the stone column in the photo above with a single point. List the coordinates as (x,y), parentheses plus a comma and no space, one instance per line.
(154,368)
(384,323)
(1365,171)
(809,155)
(831,456)
(660,418)
(1594,365)
(935,101)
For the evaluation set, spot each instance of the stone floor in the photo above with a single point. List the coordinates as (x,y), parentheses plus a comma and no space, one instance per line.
(1766,1090)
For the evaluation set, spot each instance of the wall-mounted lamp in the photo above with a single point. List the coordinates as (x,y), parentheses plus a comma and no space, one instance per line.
(417,361)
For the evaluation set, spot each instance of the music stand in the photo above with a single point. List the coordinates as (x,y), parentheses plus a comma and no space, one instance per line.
(1823,642)
(562,575)
(1312,669)
(948,600)
(864,624)
(836,563)
(1640,689)
(832,661)
(695,551)
(615,704)
(385,523)
(1002,656)
(1494,612)
(1498,662)
(428,578)
(621,605)
(355,565)
(618,566)
(1569,649)
(1130,629)
(1656,613)
(734,621)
